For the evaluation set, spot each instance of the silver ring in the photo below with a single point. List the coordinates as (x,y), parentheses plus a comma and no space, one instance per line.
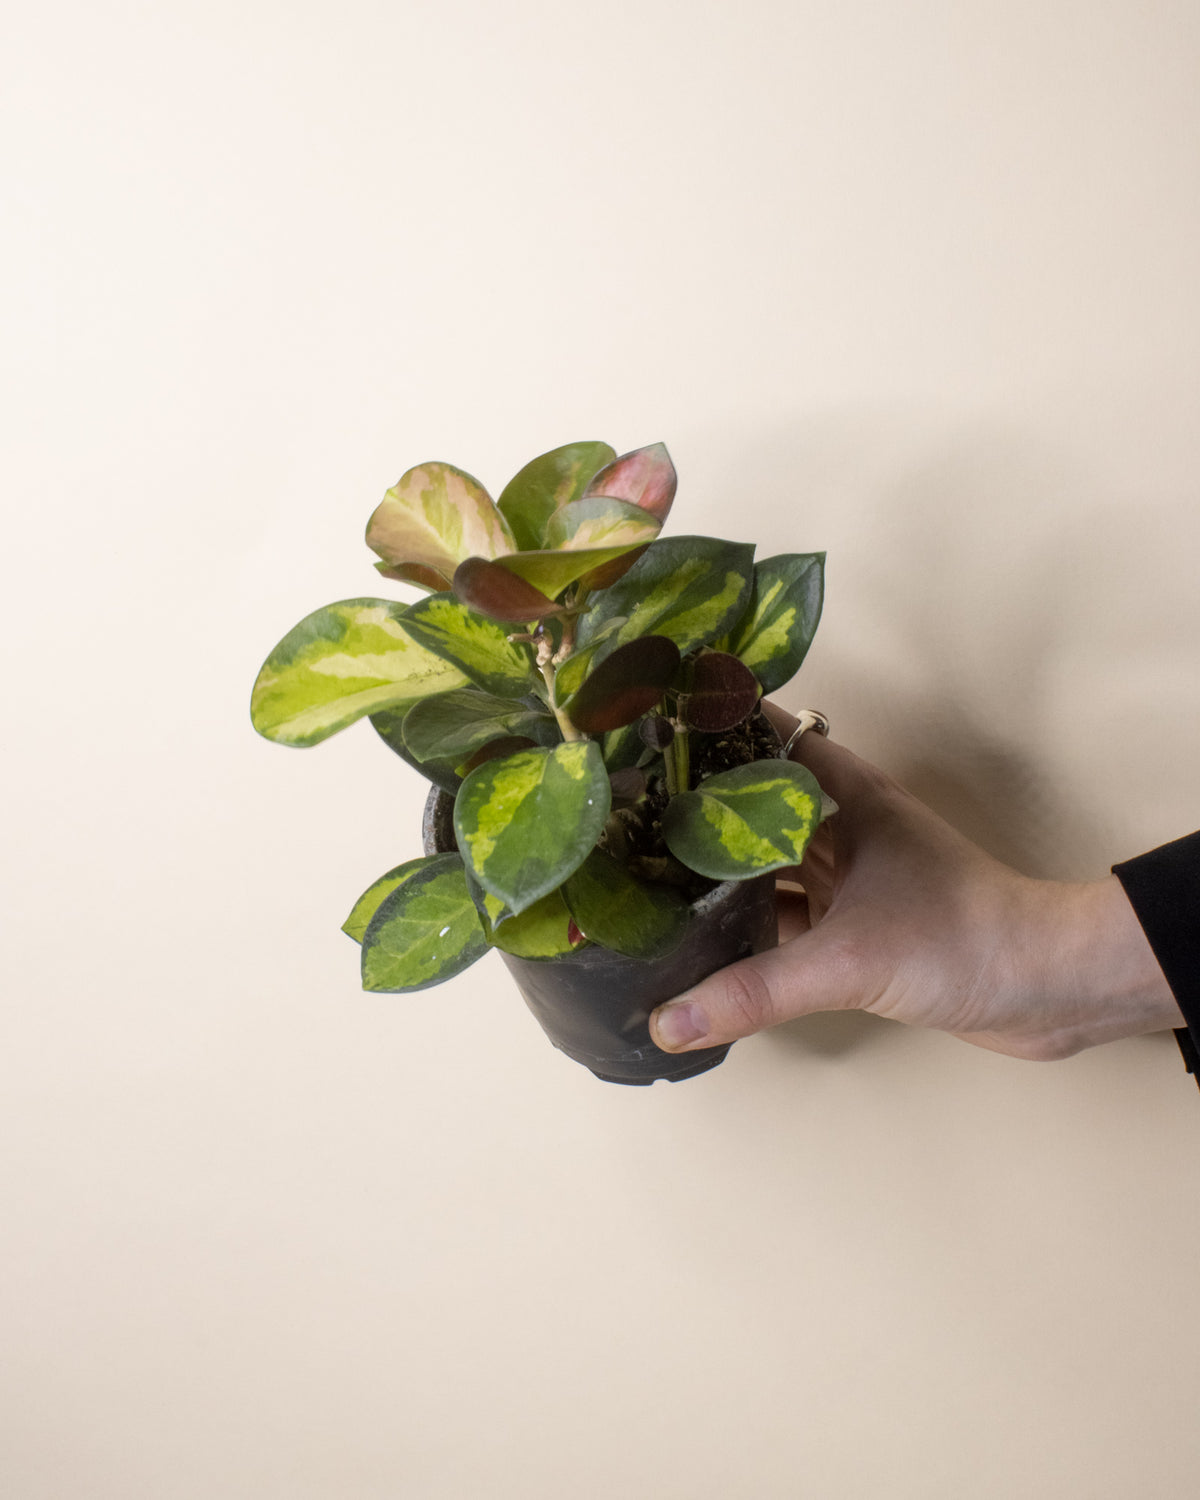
(807,718)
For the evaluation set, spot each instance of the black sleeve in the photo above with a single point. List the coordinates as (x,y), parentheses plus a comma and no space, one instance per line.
(1164,890)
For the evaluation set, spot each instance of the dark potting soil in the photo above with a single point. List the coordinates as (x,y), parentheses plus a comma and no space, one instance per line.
(635,833)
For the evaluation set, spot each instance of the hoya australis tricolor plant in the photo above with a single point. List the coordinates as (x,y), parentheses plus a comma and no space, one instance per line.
(571,678)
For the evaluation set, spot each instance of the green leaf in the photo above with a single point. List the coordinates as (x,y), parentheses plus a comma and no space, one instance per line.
(543,930)
(688,588)
(425,931)
(389,726)
(615,909)
(774,635)
(526,822)
(435,517)
(745,822)
(531,497)
(646,477)
(479,647)
(454,725)
(369,902)
(622,748)
(551,572)
(341,662)
(625,685)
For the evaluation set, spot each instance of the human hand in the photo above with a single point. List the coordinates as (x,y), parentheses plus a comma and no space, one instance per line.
(903,916)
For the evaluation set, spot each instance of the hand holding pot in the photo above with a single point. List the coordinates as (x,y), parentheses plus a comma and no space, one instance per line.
(903,916)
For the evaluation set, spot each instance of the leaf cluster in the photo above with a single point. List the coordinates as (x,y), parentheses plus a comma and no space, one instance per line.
(555,679)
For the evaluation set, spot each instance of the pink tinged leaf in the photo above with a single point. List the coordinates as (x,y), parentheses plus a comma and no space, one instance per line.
(574,936)
(435,516)
(625,685)
(492,590)
(721,693)
(600,521)
(424,578)
(645,477)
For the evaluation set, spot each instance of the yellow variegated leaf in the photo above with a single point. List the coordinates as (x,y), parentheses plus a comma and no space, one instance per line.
(436,517)
(339,663)
(601,522)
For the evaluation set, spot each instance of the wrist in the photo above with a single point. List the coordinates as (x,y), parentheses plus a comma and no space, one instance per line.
(1098,975)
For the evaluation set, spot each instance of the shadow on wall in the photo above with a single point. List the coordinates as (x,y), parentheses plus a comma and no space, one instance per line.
(988,598)
(990,604)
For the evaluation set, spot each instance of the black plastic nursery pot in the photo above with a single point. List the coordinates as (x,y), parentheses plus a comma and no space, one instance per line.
(595,1005)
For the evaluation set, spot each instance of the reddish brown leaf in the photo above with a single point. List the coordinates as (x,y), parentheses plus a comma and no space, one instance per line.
(628,786)
(608,573)
(491,590)
(656,732)
(721,693)
(625,685)
(507,744)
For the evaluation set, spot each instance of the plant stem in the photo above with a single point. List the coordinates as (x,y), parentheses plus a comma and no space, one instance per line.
(547,669)
(681,754)
(669,771)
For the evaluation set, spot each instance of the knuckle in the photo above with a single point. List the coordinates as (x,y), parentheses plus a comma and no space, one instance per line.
(746,1002)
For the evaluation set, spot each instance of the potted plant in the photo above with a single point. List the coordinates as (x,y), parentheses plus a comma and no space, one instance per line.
(609,805)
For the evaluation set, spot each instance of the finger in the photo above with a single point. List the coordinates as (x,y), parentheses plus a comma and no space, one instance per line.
(839,771)
(803,976)
(793,912)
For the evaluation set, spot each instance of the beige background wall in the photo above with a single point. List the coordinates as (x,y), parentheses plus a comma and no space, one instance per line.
(913,283)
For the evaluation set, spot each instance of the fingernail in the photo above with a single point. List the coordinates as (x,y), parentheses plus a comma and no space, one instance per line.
(677,1025)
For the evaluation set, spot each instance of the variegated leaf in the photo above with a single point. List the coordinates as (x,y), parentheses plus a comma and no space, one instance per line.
(600,522)
(615,909)
(745,822)
(646,477)
(543,930)
(774,635)
(425,931)
(552,479)
(479,647)
(372,898)
(435,517)
(526,822)
(623,747)
(688,588)
(341,662)
(454,725)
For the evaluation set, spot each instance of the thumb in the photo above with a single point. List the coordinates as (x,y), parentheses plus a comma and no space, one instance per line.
(803,976)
